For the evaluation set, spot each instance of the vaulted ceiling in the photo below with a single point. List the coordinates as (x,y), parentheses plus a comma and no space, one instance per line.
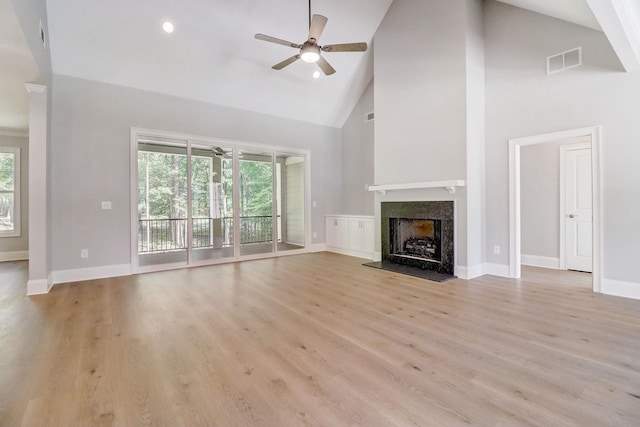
(212,55)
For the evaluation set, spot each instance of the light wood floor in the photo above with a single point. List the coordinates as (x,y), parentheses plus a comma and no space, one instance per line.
(317,340)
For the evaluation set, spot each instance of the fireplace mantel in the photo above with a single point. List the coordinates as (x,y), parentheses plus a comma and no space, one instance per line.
(450,186)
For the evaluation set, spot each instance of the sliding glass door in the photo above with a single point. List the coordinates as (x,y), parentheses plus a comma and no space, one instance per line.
(256,203)
(290,197)
(211,203)
(162,203)
(198,202)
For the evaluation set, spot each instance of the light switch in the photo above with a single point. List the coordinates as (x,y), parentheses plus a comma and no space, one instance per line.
(106,205)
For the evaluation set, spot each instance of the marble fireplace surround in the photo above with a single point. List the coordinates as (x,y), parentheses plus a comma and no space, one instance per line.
(433,210)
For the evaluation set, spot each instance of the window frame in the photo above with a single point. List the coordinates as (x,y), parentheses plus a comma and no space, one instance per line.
(16,232)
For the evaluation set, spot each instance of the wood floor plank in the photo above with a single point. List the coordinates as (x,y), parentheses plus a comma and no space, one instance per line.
(317,340)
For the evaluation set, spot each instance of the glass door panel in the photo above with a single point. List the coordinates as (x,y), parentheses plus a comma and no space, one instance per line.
(255,201)
(211,202)
(290,197)
(162,203)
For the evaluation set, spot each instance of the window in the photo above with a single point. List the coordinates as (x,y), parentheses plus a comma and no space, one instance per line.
(9,192)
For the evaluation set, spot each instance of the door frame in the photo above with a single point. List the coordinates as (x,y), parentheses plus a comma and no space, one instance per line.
(515,144)
(563,150)
(137,133)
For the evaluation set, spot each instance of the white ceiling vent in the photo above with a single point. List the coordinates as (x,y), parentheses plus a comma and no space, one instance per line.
(565,60)
(368,117)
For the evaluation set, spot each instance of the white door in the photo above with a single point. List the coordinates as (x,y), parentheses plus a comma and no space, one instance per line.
(577,215)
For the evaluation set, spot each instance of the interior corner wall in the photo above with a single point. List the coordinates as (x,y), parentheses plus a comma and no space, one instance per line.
(20,243)
(475,140)
(90,149)
(357,158)
(30,14)
(522,100)
(420,92)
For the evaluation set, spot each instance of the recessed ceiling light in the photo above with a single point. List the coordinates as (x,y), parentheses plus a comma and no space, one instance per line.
(167,27)
(316,74)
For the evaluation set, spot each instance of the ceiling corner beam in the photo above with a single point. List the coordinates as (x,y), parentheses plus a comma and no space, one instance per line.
(621,24)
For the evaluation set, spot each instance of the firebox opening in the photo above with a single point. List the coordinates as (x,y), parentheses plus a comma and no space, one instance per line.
(415,239)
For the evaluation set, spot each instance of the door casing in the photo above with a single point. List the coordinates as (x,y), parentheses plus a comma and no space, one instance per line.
(515,144)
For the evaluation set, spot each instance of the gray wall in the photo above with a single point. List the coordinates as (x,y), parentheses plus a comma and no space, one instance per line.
(420,92)
(540,199)
(522,100)
(16,244)
(357,158)
(90,160)
(429,98)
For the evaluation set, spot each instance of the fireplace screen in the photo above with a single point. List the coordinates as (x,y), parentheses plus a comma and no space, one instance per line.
(415,239)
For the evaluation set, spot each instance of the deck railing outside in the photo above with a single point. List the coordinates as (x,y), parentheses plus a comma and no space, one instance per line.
(164,235)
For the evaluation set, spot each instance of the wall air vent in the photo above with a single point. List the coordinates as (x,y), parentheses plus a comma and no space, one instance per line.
(565,60)
(368,117)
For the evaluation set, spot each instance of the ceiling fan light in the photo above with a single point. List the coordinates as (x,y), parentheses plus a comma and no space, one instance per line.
(310,53)
(167,27)
(310,57)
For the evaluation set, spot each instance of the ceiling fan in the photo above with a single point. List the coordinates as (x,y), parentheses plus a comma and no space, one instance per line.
(310,50)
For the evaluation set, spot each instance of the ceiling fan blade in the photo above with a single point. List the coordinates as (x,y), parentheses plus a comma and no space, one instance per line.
(345,47)
(317,26)
(286,62)
(276,41)
(325,66)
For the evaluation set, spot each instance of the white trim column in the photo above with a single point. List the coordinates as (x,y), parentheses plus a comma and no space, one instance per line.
(39,282)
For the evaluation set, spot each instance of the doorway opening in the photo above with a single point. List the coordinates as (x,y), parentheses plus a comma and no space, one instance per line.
(592,135)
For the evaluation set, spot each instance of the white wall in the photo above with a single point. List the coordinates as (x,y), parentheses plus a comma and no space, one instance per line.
(522,101)
(18,244)
(90,160)
(357,158)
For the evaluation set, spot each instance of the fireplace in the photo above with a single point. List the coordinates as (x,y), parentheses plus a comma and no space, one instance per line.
(418,235)
(415,239)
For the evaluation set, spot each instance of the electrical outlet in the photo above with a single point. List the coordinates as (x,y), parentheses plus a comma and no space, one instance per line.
(496,249)
(106,205)
(314,204)
(84,253)
(315,234)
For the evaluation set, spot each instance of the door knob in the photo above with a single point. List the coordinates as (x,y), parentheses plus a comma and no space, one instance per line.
(572,216)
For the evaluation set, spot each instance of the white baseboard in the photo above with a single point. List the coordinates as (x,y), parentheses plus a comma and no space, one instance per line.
(468,272)
(80,274)
(377,256)
(349,252)
(620,288)
(317,247)
(38,287)
(14,256)
(540,261)
(500,270)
